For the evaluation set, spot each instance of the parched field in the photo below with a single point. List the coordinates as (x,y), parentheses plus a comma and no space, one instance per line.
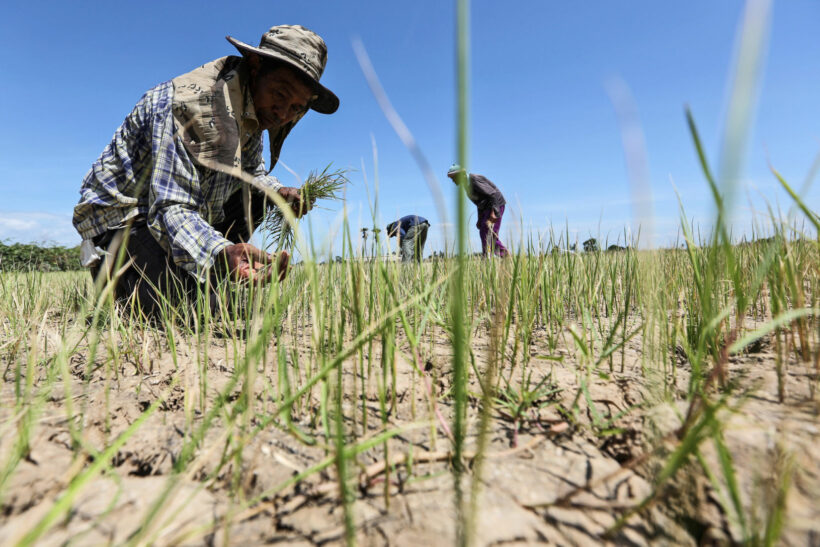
(637,397)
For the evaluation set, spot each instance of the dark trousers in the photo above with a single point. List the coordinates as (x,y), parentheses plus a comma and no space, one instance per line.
(152,269)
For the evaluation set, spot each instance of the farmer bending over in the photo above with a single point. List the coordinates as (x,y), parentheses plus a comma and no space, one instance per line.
(412,233)
(490,202)
(181,179)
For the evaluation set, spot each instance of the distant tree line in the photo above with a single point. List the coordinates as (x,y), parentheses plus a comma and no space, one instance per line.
(31,257)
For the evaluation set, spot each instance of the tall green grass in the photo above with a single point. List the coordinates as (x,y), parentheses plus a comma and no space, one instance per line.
(307,355)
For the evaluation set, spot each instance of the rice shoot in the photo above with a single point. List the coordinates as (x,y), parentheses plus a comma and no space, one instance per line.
(324,185)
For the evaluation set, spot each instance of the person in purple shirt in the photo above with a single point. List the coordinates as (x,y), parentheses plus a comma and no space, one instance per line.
(412,233)
(490,203)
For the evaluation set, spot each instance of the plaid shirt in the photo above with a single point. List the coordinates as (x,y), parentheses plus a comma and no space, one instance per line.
(145,173)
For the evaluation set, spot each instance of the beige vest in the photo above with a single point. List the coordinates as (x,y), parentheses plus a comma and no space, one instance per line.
(214,115)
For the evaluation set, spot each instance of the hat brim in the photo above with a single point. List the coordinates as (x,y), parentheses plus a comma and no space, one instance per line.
(326,102)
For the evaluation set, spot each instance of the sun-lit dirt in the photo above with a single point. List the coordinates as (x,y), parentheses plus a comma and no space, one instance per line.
(564,477)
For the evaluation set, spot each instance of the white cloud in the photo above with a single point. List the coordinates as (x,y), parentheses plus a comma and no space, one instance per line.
(38,227)
(16,224)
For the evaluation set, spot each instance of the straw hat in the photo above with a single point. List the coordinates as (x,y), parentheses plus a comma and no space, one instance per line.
(302,49)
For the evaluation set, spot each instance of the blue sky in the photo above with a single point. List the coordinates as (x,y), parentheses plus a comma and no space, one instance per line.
(543,124)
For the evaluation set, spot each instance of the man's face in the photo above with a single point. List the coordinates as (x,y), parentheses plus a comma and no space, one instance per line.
(279,96)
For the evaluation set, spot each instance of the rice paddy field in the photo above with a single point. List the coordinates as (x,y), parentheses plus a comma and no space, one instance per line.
(664,396)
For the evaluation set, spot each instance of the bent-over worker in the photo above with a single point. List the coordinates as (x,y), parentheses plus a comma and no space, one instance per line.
(490,203)
(183,180)
(412,233)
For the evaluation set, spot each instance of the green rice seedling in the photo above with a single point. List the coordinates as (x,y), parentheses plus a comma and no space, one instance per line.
(100,464)
(509,313)
(699,430)
(414,335)
(350,349)
(319,185)
(514,403)
(351,452)
(774,500)
(488,383)
(341,461)
(457,287)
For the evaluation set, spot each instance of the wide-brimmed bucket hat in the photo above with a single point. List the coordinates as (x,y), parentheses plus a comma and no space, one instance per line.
(302,49)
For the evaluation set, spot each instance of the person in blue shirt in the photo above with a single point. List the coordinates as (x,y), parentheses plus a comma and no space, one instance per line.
(412,233)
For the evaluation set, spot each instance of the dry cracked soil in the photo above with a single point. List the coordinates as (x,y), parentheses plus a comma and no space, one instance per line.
(572,470)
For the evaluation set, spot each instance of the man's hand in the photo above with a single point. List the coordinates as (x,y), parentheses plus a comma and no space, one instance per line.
(492,220)
(298,204)
(247,263)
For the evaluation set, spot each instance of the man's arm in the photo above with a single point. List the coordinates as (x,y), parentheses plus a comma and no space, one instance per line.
(195,245)
(175,198)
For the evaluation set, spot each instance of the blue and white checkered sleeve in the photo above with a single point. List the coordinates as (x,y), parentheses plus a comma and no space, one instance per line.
(176,197)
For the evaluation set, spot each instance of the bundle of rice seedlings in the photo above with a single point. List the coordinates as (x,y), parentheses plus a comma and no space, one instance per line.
(324,185)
